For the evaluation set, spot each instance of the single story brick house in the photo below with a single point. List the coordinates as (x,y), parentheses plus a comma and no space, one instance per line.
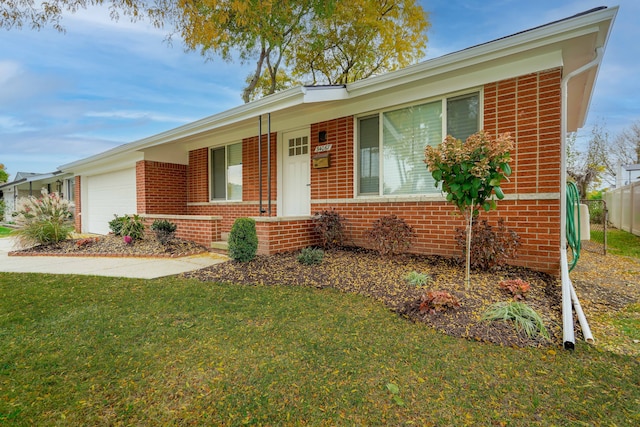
(359,149)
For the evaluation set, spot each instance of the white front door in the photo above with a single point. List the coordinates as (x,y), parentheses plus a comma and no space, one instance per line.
(296,189)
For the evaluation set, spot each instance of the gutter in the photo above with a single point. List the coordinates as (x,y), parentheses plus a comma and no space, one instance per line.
(569,296)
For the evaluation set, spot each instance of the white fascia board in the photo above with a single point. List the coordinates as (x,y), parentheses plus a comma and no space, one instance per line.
(324,93)
(106,163)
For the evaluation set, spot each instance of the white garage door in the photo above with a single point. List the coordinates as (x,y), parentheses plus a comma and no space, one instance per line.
(108,194)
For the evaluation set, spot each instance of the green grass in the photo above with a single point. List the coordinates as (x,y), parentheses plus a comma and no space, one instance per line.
(4,231)
(620,242)
(105,351)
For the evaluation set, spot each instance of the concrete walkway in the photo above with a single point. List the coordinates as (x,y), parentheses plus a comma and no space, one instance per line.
(141,268)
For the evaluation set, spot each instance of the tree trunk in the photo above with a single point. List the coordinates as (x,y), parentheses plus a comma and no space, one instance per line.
(467,278)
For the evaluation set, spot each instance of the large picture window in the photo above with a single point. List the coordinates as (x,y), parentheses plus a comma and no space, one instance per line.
(401,136)
(226,172)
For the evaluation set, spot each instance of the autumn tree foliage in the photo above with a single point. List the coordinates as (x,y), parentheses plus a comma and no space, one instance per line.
(290,42)
(470,173)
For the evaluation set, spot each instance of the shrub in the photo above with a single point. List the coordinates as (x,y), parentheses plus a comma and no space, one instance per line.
(417,279)
(126,225)
(2,208)
(436,301)
(86,242)
(164,230)
(115,225)
(329,224)
(243,240)
(524,317)
(491,246)
(516,287)
(310,256)
(44,220)
(391,235)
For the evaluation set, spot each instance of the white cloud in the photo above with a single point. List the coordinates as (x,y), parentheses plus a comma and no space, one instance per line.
(136,115)
(10,124)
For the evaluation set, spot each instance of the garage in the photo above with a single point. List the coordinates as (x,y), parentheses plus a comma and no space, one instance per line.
(108,194)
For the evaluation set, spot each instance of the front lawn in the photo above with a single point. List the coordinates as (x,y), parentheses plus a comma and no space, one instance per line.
(102,351)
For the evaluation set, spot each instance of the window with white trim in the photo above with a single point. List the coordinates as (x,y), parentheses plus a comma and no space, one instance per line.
(391,143)
(226,172)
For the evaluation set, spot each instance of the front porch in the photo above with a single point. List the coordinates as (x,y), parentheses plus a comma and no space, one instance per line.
(275,234)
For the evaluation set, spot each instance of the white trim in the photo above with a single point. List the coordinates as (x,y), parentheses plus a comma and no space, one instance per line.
(226,171)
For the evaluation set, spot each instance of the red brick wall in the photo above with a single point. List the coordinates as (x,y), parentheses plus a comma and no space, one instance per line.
(527,106)
(200,230)
(250,171)
(282,236)
(77,194)
(198,176)
(161,188)
(336,181)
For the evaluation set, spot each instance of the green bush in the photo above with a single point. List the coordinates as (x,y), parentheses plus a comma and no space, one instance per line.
(243,240)
(310,256)
(42,221)
(126,225)
(329,224)
(524,317)
(164,230)
(2,208)
(391,235)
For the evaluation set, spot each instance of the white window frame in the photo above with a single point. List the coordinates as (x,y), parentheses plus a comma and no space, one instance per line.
(443,99)
(226,173)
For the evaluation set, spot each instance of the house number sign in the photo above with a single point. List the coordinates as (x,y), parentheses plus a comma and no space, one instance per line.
(323,148)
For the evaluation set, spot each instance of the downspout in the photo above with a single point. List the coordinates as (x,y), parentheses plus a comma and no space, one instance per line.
(260,162)
(568,292)
(269,162)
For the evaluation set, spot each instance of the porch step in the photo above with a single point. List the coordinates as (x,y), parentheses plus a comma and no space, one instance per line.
(221,246)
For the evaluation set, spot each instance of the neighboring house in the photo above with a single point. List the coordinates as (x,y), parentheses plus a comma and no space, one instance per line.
(627,174)
(31,184)
(359,148)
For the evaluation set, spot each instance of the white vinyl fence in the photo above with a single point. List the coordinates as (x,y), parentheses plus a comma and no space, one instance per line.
(624,207)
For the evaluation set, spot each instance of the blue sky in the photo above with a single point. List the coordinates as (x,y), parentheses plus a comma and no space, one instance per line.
(66,96)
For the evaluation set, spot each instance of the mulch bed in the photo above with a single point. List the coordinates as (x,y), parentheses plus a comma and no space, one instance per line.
(365,272)
(114,246)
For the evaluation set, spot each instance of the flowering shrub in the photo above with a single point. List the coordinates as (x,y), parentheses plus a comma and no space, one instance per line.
(470,173)
(42,220)
(516,287)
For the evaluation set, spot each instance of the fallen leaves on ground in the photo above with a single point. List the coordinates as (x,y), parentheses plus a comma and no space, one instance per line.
(383,278)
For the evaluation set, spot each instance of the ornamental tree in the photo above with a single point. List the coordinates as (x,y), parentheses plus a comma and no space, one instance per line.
(470,173)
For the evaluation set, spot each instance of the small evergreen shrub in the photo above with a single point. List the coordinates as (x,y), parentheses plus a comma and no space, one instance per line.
(524,317)
(330,225)
(164,230)
(310,256)
(391,235)
(417,279)
(516,287)
(243,240)
(490,246)
(436,301)
(42,220)
(126,225)
(115,225)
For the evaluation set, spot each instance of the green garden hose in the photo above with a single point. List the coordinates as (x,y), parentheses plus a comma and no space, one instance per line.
(573,229)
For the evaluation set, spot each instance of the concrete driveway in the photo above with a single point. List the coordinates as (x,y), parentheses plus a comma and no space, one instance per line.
(141,268)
